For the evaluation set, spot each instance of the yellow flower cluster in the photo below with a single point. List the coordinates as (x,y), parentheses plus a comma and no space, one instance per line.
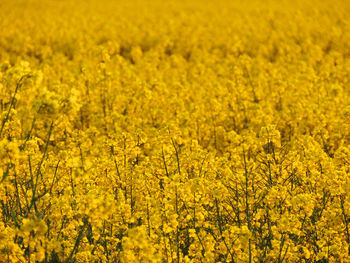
(174,131)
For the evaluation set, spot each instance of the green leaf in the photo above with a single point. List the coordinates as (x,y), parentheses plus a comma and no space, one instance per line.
(6,173)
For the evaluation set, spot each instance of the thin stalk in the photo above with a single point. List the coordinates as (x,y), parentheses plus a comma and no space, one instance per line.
(18,86)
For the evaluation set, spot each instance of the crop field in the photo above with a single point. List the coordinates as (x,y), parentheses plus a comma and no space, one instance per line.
(175,131)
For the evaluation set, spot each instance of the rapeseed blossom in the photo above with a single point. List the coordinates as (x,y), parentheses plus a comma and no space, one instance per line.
(174,131)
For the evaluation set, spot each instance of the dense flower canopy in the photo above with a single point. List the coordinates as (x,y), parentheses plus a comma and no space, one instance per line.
(174,131)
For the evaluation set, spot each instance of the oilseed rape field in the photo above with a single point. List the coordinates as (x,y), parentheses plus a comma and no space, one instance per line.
(175,131)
